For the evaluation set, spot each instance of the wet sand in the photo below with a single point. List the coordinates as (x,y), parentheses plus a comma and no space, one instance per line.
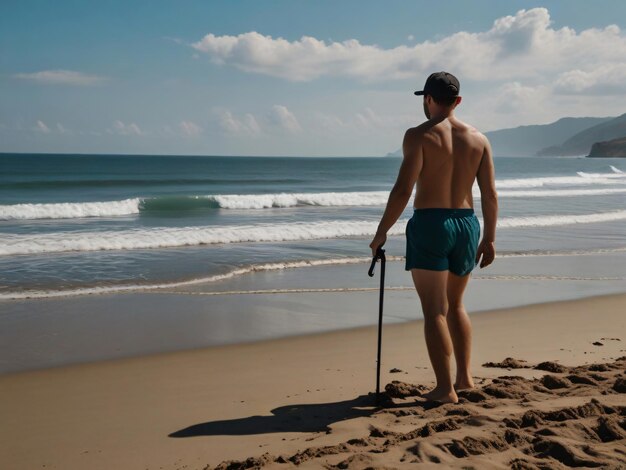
(305,402)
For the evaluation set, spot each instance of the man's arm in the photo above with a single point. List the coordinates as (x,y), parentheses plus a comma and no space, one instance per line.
(489,203)
(403,188)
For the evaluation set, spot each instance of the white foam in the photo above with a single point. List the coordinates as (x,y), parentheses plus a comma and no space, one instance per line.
(379,198)
(615,174)
(264,201)
(162,237)
(557,192)
(28,294)
(165,237)
(615,170)
(583,179)
(69,210)
(556,220)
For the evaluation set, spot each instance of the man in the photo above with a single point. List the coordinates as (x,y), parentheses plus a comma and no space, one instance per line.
(443,156)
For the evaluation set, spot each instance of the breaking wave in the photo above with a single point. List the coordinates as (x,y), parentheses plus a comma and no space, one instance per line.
(165,237)
(553,186)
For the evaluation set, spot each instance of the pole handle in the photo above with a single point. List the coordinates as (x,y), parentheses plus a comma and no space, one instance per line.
(380,255)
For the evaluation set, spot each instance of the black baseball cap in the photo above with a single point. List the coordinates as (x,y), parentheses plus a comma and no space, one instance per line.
(441,85)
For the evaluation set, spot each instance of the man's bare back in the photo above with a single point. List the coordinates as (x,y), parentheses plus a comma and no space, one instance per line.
(451,153)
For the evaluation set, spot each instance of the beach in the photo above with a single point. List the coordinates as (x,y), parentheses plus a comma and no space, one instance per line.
(306,402)
(192,197)
(211,312)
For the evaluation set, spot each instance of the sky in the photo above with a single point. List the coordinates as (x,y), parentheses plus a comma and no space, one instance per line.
(297,78)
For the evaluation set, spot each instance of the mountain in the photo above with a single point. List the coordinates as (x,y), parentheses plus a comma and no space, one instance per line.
(529,140)
(581,143)
(612,148)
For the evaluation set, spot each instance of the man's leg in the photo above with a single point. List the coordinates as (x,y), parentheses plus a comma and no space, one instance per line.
(460,329)
(431,288)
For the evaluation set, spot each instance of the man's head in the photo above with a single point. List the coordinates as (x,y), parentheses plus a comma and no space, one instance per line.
(441,90)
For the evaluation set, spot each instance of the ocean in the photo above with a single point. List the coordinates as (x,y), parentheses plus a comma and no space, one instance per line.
(74,225)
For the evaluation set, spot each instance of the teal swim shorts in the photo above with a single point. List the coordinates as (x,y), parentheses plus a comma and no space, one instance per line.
(442,240)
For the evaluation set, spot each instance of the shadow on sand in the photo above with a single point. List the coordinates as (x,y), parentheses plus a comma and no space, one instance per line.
(315,417)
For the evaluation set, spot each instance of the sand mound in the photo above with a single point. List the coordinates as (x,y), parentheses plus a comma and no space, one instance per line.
(397,389)
(550,366)
(508,363)
(552,422)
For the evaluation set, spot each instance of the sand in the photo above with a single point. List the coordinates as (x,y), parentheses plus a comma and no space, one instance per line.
(553,396)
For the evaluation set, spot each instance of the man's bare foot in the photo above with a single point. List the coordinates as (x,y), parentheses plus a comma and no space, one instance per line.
(441,396)
(464,385)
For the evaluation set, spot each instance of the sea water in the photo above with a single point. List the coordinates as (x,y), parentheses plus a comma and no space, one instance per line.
(84,224)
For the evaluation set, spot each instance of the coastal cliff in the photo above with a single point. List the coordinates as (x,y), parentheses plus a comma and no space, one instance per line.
(610,148)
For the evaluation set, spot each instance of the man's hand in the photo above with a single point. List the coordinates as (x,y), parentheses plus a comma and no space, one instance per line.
(488,252)
(378,241)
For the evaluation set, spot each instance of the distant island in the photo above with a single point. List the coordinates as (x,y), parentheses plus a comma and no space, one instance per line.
(566,137)
(611,148)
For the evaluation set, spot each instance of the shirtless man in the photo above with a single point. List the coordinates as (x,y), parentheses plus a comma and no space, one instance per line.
(444,156)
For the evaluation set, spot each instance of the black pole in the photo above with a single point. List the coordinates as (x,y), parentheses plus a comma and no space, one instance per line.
(380,255)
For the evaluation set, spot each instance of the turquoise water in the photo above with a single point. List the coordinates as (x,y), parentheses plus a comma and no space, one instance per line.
(72,222)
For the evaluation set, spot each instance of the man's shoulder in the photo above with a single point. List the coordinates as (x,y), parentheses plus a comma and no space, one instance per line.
(475,134)
(418,132)
(469,129)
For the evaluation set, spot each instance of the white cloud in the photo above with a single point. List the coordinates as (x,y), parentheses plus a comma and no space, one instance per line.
(41,127)
(61,77)
(368,119)
(609,79)
(410,37)
(251,123)
(277,119)
(244,126)
(189,128)
(125,129)
(331,123)
(366,122)
(285,119)
(523,46)
(516,98)
(61,129)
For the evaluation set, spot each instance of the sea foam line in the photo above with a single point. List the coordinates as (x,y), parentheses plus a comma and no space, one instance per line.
(159,287)
(305,290)
(27,294)
(557,192)
(169,237)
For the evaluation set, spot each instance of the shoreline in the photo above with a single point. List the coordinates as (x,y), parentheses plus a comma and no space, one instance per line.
(214,278)
(141,412)
(41,333)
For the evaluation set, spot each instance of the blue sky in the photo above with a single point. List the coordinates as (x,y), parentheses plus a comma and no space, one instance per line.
(292,77)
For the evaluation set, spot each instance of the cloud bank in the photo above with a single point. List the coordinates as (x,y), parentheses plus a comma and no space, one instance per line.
(61,77)
(523,46)
(121,128)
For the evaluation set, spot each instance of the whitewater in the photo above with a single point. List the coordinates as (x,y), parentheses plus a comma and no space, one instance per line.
(164,237)
(559,186)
